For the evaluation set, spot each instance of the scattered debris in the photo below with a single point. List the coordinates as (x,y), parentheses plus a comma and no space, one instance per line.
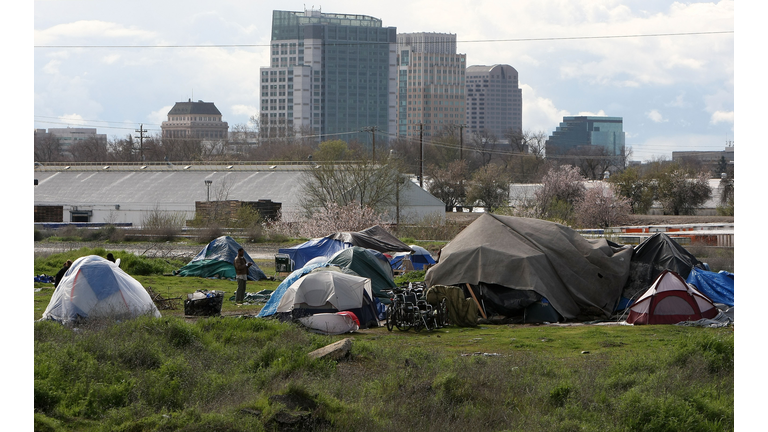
(161,302)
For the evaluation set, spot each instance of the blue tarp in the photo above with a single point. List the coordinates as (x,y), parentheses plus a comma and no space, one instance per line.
(419,258)
(270,308)
(717,286)
(225,248)
(303,253)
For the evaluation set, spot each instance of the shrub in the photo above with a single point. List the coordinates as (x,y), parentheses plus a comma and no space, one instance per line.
(163,225)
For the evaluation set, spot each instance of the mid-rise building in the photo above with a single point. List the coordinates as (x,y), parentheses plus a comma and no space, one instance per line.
(430,83)
(195,120)
(579,131)
(68,136)
(494,100)
(330,74)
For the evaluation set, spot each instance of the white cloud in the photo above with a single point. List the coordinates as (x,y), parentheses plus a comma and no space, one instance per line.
(655,116)
(722,117)
(247,110)
(600,113)
(539,113)
(72,120)
(678,102)
(52,67)
(93,29)
(110,59)
(159,116)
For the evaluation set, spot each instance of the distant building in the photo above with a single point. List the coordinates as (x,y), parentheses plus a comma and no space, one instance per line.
(68,136)
(708,158)
(494,100)
(430,83)
(579,131)
(195,120)
(330,74)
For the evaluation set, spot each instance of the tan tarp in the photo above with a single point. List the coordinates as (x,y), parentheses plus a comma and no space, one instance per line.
(578,276)
(462,311)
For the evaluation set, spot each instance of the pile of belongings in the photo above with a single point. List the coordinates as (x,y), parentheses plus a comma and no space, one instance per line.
(217,259)
(94,287)
(44,278)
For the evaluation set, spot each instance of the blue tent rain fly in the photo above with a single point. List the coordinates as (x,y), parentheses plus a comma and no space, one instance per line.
(321,247)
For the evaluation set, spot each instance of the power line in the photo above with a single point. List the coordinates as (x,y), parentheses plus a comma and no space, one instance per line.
(541,39)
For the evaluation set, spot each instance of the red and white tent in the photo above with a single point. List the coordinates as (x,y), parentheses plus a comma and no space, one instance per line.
(671,300)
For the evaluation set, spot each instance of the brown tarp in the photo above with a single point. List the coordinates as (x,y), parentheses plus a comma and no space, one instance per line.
(375,237)
(462,311)
(578,276)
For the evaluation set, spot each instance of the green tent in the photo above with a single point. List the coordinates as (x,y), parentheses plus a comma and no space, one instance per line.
(370,264)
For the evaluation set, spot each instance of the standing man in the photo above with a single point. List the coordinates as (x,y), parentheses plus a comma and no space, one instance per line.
(61,272)
(241,274)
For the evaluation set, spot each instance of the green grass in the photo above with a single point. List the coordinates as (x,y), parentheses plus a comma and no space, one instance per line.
(235,373)
(239,373)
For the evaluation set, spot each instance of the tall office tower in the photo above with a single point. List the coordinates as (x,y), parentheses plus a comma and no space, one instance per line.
(331,75)
(430,83)
(576,133)
(494,100)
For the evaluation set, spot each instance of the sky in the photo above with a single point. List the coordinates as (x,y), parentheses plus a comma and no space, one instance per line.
(674,93)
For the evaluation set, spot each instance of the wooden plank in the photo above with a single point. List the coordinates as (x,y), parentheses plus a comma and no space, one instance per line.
(482,312)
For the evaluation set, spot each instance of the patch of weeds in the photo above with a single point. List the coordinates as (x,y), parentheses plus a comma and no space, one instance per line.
(559,395)
(452,389)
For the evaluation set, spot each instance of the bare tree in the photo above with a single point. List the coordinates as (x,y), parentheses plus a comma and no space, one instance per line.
(91,149)
(367,184)
(122,149)
(449,184)
(48,149)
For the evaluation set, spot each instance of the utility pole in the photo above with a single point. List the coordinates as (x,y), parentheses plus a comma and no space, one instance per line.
(141,131)
(461,141)
(421,155)
(372,130)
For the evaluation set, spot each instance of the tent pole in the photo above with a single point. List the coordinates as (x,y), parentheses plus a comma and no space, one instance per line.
(482,312)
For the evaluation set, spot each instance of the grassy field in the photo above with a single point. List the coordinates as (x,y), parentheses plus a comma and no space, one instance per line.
(240,373)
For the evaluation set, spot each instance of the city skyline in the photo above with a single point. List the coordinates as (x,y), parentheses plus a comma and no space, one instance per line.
(675,93)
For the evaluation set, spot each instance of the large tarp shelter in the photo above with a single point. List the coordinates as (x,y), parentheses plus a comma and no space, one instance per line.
(577,276)
(367,263)
(321,247)
(717,286)
(655,254)
(217,260)
(94,287)
(375,237)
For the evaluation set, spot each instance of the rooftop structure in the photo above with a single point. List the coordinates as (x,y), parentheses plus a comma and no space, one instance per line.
(195,120)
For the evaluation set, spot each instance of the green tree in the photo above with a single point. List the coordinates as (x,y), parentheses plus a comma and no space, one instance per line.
(682,191)
(489,187)
(333,150)
(636,188)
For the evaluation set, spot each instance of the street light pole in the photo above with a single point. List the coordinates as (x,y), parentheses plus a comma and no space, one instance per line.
(208,193)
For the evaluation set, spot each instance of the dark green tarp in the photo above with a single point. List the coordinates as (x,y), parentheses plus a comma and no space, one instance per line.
(364,263)
(217,259)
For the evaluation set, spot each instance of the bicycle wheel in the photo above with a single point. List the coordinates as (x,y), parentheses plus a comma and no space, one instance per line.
(390,318)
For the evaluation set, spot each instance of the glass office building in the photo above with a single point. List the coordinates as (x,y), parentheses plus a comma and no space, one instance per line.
(330,74)
(430,83)
(575,132)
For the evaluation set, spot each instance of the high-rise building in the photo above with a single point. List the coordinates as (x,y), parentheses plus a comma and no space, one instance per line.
(494,100)
(580,131)
(68,136)
(195,120)
(329,74)
(430,83)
